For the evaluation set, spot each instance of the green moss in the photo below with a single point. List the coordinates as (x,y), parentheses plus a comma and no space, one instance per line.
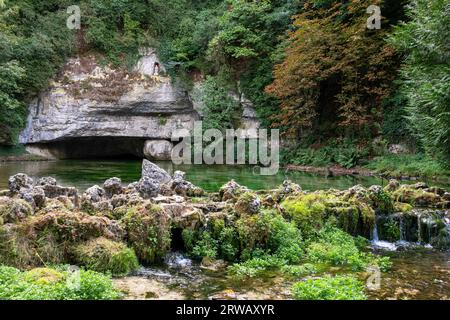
(308,211)
(415,197)
(312,211)
(104,255)
(329,288)
(14,210)
(43,276)
(148,229)
(402,207)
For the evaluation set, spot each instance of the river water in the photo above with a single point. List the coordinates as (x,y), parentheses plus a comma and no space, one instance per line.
(84,174)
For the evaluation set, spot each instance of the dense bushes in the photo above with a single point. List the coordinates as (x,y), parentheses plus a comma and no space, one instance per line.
(426,72)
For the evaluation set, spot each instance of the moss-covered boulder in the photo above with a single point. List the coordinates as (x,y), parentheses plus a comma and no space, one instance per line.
(248,203)
(23,248)
(104,255)
(416,196)
(13,210)
(76,226)
(311,211)
(231,191)
(148,231)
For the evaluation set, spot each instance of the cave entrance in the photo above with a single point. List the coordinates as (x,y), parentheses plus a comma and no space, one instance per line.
(177,242)
(92,148)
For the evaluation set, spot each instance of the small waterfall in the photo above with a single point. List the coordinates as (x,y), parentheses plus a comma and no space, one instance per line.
(375,233)
(383,245)
(402,229)
(177,260)
(419,228)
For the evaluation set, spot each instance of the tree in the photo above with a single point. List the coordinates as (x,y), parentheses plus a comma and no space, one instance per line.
(336,72)
(425,41)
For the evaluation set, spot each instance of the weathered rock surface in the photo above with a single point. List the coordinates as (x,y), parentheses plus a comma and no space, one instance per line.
(88,101)
(158,150)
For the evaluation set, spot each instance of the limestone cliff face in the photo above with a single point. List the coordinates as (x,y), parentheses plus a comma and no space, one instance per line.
(88,102)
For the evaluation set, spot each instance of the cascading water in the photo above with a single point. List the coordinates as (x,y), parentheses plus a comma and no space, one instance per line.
(377,244)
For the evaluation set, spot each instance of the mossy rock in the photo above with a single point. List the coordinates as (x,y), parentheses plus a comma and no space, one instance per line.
(248,203)
(14,210)
(402,207)
(148,230)
(311,211)
(416,196)
(43,276)
(104,255)
(76,226)
(22,248)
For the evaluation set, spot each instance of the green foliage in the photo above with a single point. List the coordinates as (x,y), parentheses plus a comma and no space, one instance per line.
(424,40)
(346,154)
(104,255)
(256,266)
(329,288)
(338,248)
(408,165)
(220,110)
(299,271)
(206,246)
(51,284)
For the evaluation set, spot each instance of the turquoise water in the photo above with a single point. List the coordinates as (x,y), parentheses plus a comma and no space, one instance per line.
(83,174)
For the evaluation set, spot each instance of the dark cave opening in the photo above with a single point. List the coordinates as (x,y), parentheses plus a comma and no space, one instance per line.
(92,148)
(177,242)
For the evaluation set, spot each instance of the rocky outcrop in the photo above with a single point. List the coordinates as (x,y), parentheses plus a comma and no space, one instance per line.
(158,150)
(92,110)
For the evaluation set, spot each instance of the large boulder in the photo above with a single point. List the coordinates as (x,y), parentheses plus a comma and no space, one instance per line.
(148,188)
(18,182)
(113,187)
(158,150)
(152,172)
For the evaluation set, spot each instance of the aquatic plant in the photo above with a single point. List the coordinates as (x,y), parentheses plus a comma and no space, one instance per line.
(329,288)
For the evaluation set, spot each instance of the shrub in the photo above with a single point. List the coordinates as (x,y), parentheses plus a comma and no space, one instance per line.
(54,284)
(329,288)
(255,266)
(104,255)
(335,247)
(206,246)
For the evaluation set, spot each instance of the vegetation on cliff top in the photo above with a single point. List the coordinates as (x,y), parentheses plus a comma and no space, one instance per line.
(310,67)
